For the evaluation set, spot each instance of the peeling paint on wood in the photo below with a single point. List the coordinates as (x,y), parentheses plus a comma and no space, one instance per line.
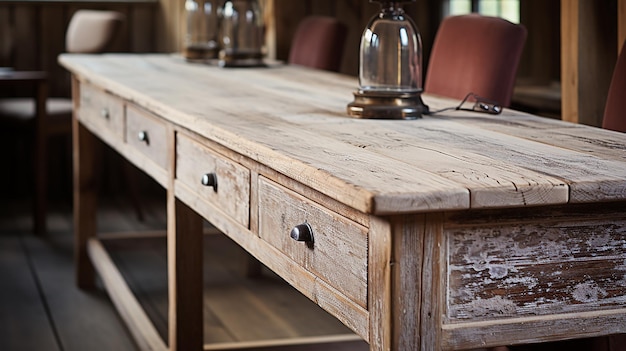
(536,268)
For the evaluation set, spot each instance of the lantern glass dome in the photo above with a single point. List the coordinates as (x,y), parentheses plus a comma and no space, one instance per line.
(391,52)
(390,67)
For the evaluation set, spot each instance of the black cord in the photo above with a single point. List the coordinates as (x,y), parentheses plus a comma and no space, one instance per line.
(480,105)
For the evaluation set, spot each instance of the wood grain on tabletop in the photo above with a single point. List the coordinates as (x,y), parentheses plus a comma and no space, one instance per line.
(293,120)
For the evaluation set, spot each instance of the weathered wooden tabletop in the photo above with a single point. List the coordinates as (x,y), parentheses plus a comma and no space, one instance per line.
(294,120)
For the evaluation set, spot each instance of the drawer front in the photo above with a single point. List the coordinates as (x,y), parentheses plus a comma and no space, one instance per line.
(147,134)
(338,254)
(101,110)
(214,178)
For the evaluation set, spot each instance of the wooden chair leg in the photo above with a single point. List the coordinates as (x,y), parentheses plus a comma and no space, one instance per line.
(41,188)
(41,174)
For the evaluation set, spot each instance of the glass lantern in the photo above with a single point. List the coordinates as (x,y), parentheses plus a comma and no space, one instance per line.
(242,34)
(390,70)
(201,39)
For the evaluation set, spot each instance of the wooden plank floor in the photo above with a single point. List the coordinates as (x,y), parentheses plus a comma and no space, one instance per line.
(41,309)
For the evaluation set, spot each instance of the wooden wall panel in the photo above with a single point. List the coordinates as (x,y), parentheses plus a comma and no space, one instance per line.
(6,37)
(355,14)
(142,40)
(25,48)
(540,63)
(52,42)
(598,35)
(35,40)
(286,16)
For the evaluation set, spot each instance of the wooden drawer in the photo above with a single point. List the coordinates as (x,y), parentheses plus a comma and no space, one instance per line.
(147,134)
(338,254)
(101,111)
(231,190)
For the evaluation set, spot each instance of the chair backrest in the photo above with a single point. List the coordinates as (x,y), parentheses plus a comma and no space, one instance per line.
(91,31)
(318,43)
(477,54)
(615,108)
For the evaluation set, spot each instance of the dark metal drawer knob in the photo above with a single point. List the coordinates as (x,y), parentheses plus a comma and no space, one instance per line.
(210,179)
(105,113)
(143,136)
(302,232)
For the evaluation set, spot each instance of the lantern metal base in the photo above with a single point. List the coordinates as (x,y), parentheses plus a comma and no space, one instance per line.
(239,59)
(387,105)
(200,53)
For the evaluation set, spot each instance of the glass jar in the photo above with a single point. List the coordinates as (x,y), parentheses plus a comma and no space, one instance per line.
(242,33)
(201,38)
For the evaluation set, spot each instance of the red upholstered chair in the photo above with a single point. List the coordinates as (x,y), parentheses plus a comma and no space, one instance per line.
(477,54)
(615,108)
(318,43)
(89,31)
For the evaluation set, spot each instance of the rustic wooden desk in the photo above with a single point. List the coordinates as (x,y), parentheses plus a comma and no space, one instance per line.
(455,231)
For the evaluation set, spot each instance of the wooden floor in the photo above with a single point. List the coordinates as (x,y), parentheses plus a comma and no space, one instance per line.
(41,309)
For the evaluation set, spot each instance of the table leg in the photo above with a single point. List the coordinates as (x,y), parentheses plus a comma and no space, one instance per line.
(185,285)
(404,282)
(85,196)
(41,169)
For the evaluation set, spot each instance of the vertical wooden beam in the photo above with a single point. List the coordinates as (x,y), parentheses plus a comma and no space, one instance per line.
(569,60)
(170,25)
(270,27)
(588,30)
(621,24)
(85,194)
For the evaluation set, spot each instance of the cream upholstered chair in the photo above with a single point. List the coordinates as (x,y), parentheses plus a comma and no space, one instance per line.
(89,31)
(475,54)
(318,43)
